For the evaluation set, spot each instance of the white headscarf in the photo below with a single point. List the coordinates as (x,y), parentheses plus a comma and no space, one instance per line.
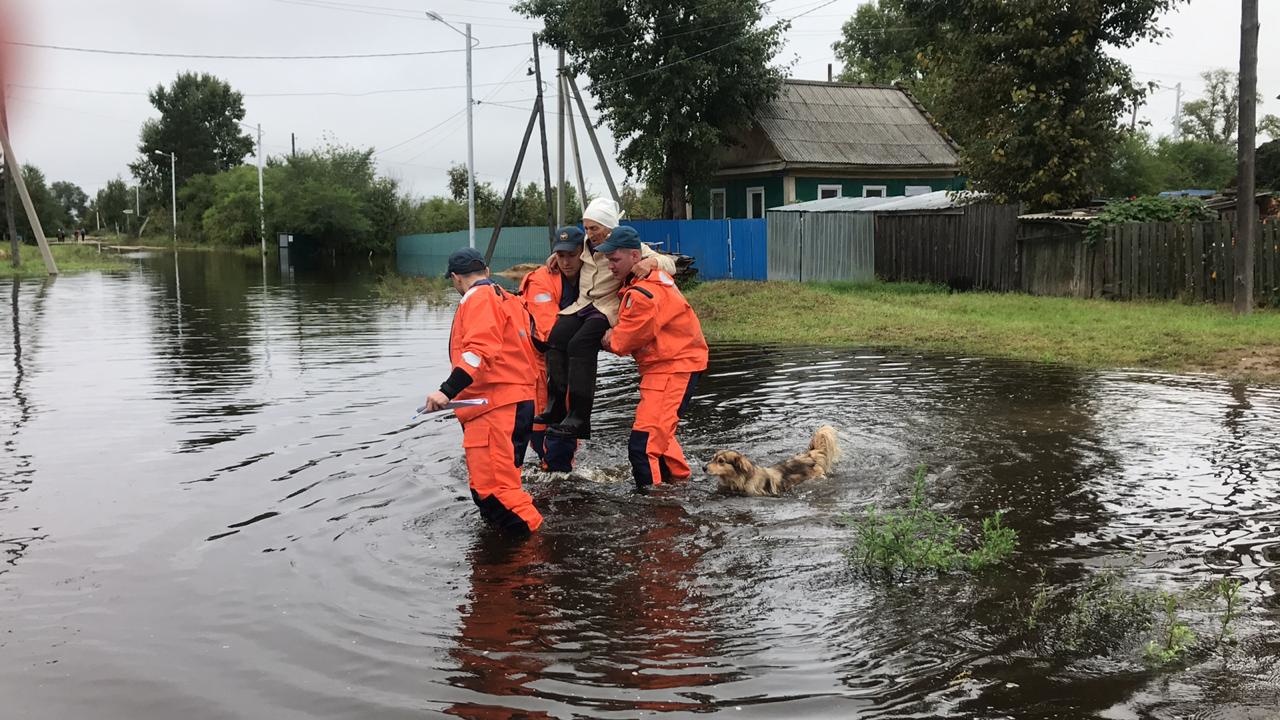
(603,211)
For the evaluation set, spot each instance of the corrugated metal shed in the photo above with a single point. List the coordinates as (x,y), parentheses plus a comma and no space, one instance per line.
(939,200)
(811,247)
(841,124)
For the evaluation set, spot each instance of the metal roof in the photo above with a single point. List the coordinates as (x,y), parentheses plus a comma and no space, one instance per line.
(937,200)
(843,124)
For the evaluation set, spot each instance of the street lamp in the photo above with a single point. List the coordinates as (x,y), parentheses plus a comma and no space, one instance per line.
(173,188)
(471,165)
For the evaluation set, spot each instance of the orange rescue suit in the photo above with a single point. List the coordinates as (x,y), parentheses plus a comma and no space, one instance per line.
(657,326)
(493,359)
(542,291)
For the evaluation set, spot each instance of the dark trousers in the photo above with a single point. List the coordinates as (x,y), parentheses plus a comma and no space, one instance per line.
(578,336)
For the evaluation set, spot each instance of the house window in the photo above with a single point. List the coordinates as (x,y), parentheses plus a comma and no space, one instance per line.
(875,190)
(755,202)
(718,204)
(830,191)
(918,190)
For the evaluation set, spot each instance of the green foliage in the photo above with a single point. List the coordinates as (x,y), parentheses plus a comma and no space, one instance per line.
(1174,639)
(48,208)
(1215,118)
(676,80)
(1267,165)
(641,203)
(111,202)
(877,46)
(918,539)
(406,290)
(1147,209)
(199,121)
(1027,88)
(1141,166)
(233,217)
(1105,614)
(72,201)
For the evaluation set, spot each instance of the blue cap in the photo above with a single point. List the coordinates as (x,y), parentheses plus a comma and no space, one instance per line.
(465,261)
(623,237)
(568,239)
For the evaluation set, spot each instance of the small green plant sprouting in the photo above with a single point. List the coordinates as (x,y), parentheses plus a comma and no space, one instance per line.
(1228,591)
(1175,639)
(1039,601)
(918,539)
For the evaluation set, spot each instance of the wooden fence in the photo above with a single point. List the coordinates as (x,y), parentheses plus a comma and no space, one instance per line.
(1190,262)
(977,243)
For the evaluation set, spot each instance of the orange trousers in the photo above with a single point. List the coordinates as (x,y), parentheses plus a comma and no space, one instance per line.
(493,474)
(655,455)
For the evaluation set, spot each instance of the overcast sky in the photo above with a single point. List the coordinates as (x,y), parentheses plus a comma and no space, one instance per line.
(77,115)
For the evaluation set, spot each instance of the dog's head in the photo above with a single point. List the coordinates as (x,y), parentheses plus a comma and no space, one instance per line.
(731,468)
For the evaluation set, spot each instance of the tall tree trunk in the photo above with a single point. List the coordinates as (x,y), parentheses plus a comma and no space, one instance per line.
(9,219)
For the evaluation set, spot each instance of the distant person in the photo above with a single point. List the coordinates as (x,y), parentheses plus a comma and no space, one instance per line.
(574,343)
(659,329)
(545,292)
(492,358)
(62,235)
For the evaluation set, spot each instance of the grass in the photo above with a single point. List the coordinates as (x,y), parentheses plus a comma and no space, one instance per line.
(914,317)
(411,290)
(916,539)
(69,258)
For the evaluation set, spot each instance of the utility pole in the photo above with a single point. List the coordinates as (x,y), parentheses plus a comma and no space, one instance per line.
(293,146)
(542,133)
(561,103)
(1246,207)
(262,206)
(15,177)
(1177,112)
(573,141)
(471,154)
(595,141)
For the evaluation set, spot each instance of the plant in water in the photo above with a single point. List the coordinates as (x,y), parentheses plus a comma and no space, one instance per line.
(1175,639)
(1104,614)
(1035,607)
(918,539)
(411,290)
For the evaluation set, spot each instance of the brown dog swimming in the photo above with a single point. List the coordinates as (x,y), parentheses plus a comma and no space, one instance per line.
(740,476)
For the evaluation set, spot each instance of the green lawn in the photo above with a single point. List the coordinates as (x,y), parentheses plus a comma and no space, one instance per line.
(69,258)
(1085,333)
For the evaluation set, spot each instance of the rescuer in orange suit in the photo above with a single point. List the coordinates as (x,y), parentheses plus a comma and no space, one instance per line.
(545,292)
(657,326)
(493,359)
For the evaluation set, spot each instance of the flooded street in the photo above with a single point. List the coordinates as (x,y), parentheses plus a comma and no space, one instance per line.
(213,505)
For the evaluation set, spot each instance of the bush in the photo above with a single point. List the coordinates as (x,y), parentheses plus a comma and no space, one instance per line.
(917,539)
(1147,209)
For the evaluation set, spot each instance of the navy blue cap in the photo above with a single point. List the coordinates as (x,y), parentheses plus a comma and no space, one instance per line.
(623,237)
(465,261)
(568,239)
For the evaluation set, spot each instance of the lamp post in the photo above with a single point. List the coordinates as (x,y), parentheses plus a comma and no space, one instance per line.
(173,189)
(471,165)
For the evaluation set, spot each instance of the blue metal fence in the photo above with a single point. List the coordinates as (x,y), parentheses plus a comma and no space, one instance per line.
(721,249)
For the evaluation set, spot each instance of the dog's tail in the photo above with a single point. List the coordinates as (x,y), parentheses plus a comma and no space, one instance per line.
(826,446)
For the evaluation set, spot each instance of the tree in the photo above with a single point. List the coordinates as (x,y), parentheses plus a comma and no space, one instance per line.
(72,200)
(1267,168)
(1142,166)
(1214,118)
(877,46)
(675,80)
(640,203)
(1027,88)
(111,202)
(232,218)
(47,207)
(199,117)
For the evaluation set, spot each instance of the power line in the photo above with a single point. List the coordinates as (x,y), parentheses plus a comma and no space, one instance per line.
(424,132)
(301,93)
(137,53)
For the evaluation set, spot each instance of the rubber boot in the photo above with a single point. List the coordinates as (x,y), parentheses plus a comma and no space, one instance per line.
(557,380)
(582,396)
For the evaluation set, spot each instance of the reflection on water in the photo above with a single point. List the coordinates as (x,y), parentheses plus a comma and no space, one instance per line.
(212,504)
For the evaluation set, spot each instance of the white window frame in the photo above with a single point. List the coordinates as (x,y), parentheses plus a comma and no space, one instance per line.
(724,204)
(838,188)
(884,190)
(912,190)
(750,206)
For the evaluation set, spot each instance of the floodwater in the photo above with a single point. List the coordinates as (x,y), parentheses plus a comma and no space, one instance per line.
(212,505)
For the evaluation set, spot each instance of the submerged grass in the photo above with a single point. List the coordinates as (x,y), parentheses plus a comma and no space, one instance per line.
(70,259)
(412,290)
(910,316)
(915,539)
